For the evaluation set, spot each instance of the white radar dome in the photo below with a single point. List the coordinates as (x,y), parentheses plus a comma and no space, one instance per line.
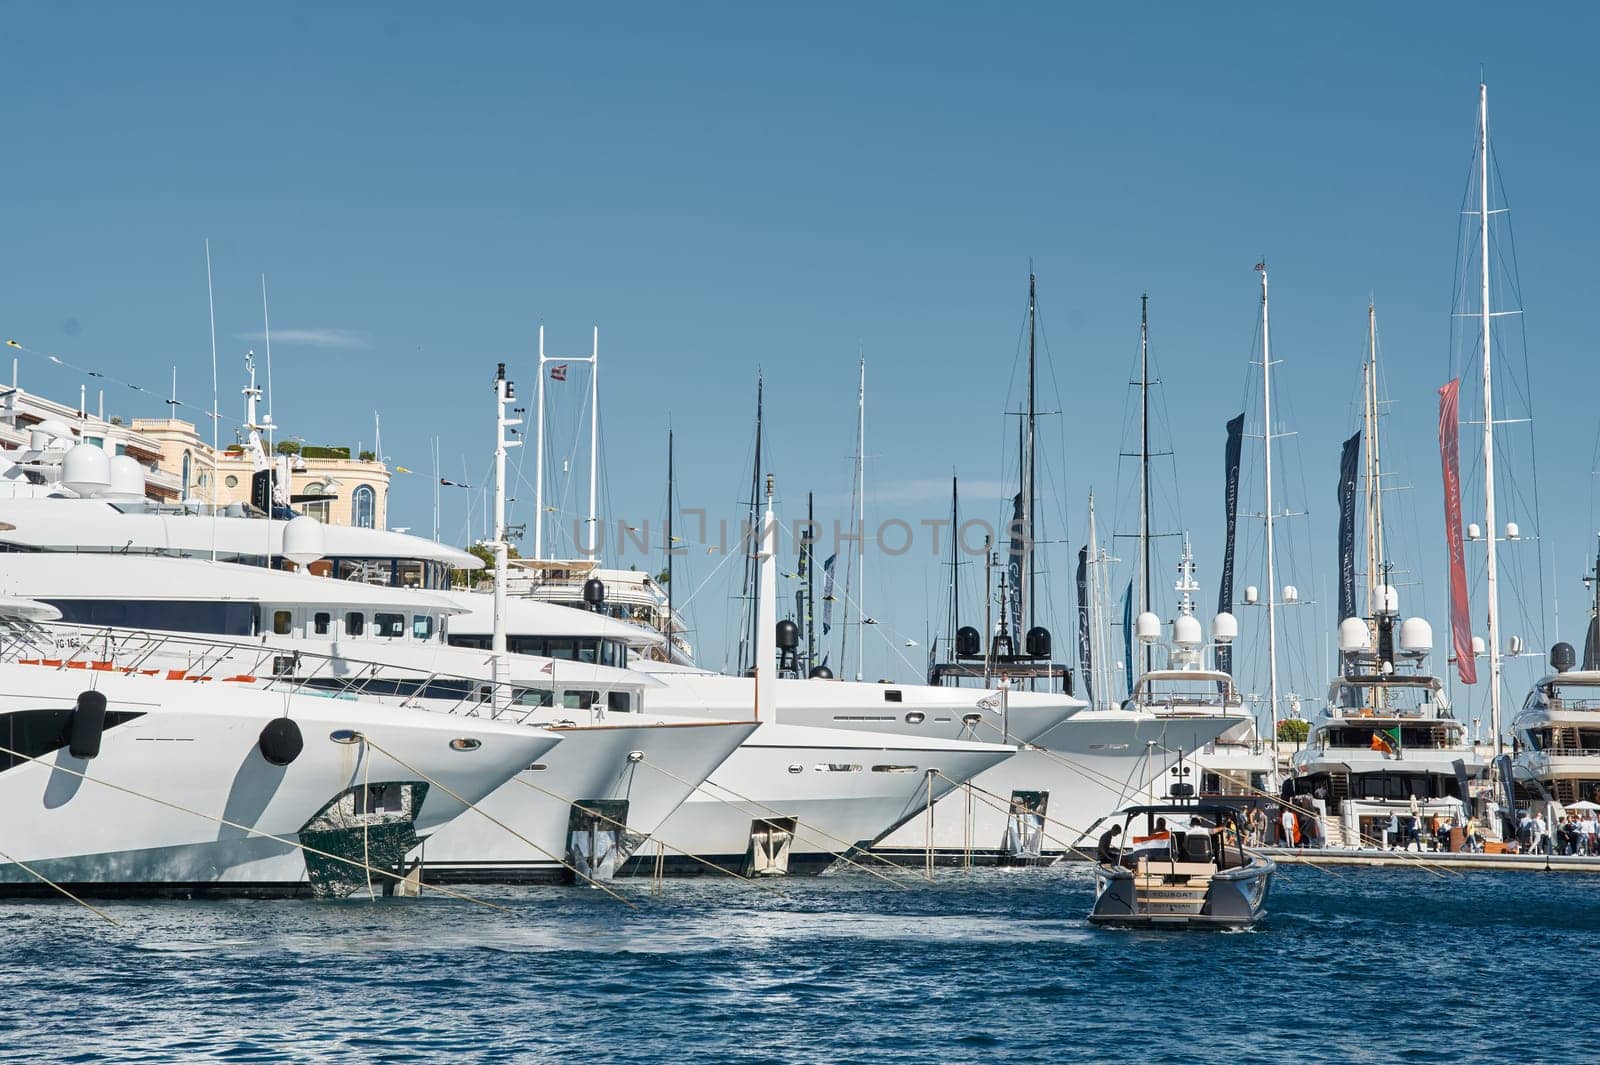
(1251,594)
(1388,600)
(1416,636)
(1478,645)
(1186,631)
(1354,636)
(86,470)
(127,478)
(1224,628)
(302,540)
(1147,627)
(1291,594)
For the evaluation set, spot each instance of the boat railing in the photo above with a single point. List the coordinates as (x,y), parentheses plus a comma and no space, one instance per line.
(200,659)
(1546,753)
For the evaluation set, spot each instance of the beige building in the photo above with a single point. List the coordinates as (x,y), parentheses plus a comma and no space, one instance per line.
(179,465)
(359,487)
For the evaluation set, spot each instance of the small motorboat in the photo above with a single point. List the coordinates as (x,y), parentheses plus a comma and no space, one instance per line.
(1182,865)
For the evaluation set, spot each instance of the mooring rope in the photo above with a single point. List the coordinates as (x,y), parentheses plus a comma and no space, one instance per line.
(247,829)
(660,843)
(499,823)
(826,850)
(31,871)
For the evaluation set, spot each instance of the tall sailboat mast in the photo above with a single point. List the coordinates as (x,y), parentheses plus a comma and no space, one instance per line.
(861,519)
(1272,573)
(1374,467)
(1028,506)
(1491,575)
(671,486)
(752,565)
(955,561)
(1144,468)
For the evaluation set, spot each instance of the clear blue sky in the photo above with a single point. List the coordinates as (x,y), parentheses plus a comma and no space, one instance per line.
(722,189)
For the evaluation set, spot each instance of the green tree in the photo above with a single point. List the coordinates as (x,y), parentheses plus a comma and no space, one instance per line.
(1293,730)
(287,447)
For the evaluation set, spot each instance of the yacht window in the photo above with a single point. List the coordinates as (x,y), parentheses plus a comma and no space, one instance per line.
(535,697)
(227,619)
(389,625)
(579,700)
(422,626)
(589,651)
(618,701)
(612,653)
(355,623)
(563,649)
(321,622)
(281,622)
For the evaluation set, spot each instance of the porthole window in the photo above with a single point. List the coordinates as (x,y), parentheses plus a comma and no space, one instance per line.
(915,717)
(231,481)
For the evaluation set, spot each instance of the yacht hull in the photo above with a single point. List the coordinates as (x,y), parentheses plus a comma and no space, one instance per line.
(634,773)
(180,799)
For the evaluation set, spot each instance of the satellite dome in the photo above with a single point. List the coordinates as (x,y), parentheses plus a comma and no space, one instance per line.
(1186,631)
(86,470)
(1147,627)
(302,540)
(1388,600)
(1354,636)
(127,478)
(1416,636)
(1224,628)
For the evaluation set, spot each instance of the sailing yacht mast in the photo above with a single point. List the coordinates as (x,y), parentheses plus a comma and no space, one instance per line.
(1272,574)
(752,566)
(955,561)
(861,518)
(1144,469)
(1028,591)
(1374,478)
(1491,575)
(671,486)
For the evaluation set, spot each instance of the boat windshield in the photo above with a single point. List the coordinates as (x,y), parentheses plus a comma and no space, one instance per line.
(1575,696)
(1394,696)
(1194,694)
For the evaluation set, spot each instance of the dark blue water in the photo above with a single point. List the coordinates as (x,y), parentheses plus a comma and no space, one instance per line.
(1370,965)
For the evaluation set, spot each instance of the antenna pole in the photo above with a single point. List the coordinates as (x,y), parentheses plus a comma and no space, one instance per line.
(216,448)
(272,462)
(504,395)
(1491,575)
(538,457)
(1272,572)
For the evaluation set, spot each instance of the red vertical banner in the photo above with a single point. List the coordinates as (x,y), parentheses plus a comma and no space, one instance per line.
(1450,462)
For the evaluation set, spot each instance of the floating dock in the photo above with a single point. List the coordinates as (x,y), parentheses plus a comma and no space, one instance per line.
(1555,863)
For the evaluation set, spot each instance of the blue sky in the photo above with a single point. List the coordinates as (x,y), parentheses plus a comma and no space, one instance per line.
(721,189)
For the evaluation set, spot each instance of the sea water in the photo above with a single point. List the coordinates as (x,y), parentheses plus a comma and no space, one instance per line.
(981,965)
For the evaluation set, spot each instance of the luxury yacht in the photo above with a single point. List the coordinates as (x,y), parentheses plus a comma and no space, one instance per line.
(362,619)
(122,778)
(622,770)
(1557,734)
(1387,744)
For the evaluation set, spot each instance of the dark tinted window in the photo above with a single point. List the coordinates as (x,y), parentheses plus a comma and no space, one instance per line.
(391,625)
(617,701)
(223,619)
(355,623)
(321,622)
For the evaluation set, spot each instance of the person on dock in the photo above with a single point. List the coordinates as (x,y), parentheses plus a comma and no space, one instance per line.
(1586,832)
(1107,850)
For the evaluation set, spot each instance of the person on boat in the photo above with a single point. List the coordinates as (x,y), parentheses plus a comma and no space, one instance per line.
(1290,826)
(1107,852)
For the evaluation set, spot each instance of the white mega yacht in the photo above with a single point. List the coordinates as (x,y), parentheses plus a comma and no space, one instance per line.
(123,779)
(1387,743)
